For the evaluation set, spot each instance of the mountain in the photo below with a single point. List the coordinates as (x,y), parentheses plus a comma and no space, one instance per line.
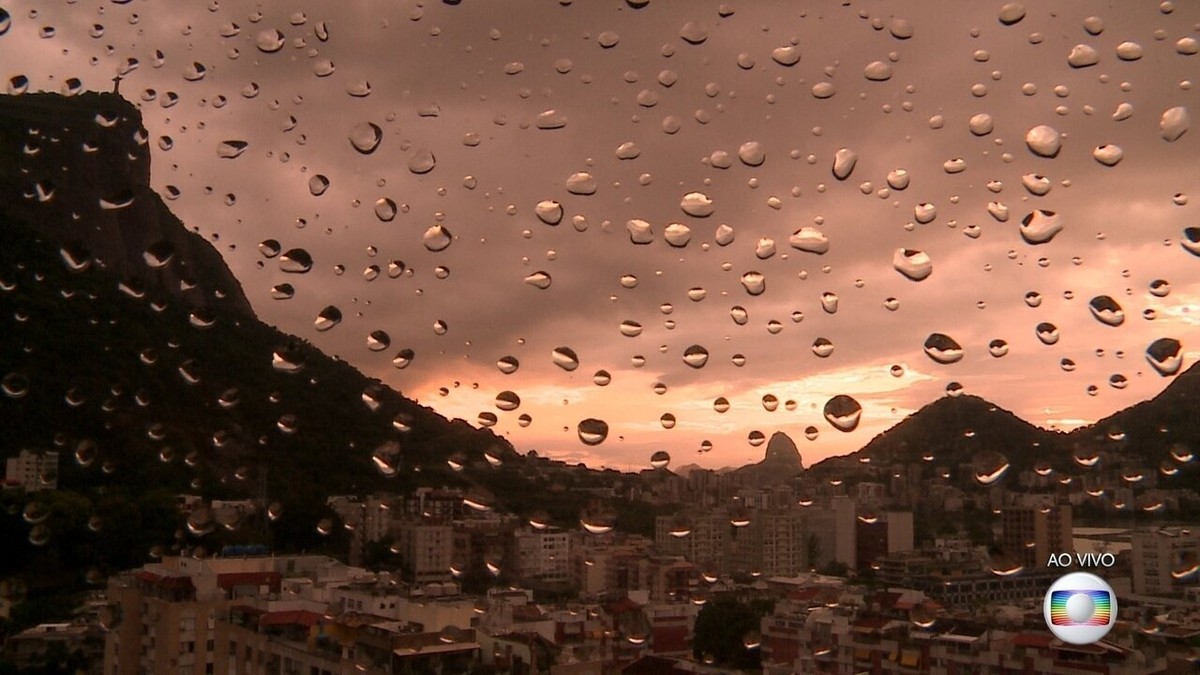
(780,464)
(955,431)
(79,168)
(1147,432)
(127,347)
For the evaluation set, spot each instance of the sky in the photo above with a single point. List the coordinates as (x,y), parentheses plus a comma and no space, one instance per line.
(616,111)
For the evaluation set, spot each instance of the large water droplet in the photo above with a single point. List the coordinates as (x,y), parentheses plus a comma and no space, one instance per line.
(365,137)
(1047,333)
(1106,310)
(549,212)
(844,161)
(437,238)
(295,261)
(592,431)
(317,185)
(565,358)
(1174,123)
(696,204)
(1082,56)
(1165,355)
(943,349)
(695,356)
(843,412)
(327,318)
(640,232)
(754,283)
(914,265)
(1040,226)
(1044,141)
(810,240)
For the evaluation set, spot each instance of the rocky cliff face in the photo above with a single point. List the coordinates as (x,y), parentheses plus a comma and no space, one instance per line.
(78,170)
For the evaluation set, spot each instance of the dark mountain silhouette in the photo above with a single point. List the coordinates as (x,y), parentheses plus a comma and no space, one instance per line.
(953,431)
(1146,433)
(79,168)
(128,347)
(780,463)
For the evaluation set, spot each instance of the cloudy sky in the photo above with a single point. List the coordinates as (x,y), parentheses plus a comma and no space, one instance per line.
(483,110)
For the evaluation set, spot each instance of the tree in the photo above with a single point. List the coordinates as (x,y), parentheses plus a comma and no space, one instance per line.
(721,629)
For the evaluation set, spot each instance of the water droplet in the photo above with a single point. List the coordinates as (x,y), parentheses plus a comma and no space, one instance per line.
(327,318)
(843,163)
(1040,226)
(295,261)
(1047,333)
(878,71)
(1165,355)
(754,283)
(694,32)
(981,124)
(752,153)
(1012,13)
(659,460)
(677,235)
(231,149)
(596,519)
(898,179)
(269,41)
(943,349)
(998,348)
(914,265)
(640,232)
(386,458)
(1044,141)
(365,137)
(843,412)
(1082,56)
(829,302)
(695,356)
(721,405)
(788,55)
(539,279)
(989,466)
(822,347)
(1108,155)
(565,358)
(1174,123)
(696,204)
(810,240)
(437,238)
(508,401)
(1106,310)
(317,185)
(581,183)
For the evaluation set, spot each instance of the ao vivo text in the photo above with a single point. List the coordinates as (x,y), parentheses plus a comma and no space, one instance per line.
(1082,560)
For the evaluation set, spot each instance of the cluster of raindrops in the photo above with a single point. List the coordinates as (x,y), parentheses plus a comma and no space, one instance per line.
(633,219)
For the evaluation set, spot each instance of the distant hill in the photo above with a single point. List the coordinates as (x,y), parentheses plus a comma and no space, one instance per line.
(780,463)
(1146,432)
(954,431)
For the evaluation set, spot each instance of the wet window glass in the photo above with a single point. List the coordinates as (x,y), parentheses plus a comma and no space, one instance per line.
(296,276)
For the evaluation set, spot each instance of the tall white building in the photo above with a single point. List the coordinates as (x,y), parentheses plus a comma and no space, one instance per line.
(1164,559)
(544,555)
(33,470)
